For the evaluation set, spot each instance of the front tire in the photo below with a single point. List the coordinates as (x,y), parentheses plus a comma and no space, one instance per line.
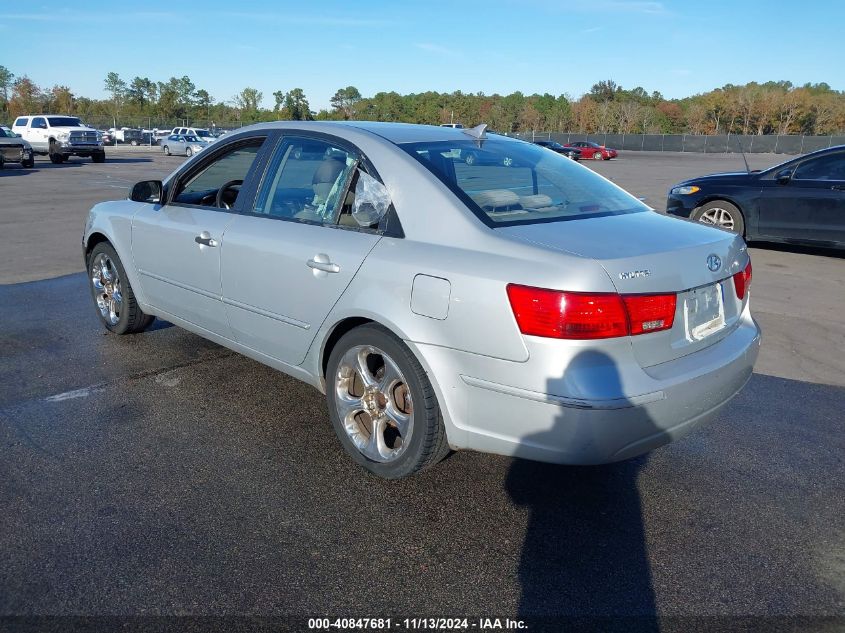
(722,214)
(112,293)
(597,155)
(382,405)
(28,164)
(99,157)
(189,152)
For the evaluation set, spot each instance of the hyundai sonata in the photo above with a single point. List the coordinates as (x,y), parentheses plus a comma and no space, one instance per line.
(534,310)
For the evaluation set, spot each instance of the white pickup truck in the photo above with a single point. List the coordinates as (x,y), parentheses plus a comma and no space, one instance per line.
(60,137)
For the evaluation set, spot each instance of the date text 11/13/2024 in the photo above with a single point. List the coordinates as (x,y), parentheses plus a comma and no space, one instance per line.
(417,624)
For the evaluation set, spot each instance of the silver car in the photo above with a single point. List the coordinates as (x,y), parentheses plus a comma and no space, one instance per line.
(183,145)
(535,310)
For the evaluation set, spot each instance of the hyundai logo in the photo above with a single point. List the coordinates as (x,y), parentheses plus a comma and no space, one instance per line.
(713,262)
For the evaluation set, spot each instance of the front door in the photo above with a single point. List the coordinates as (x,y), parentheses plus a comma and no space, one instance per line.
(810,206)
(287,262)
(177,246)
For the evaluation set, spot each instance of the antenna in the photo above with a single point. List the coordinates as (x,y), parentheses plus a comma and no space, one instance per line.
(478,132)
(742,151)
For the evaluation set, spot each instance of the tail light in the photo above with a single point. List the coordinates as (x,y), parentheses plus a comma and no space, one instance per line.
(742,281)
(575,315)
(650,313)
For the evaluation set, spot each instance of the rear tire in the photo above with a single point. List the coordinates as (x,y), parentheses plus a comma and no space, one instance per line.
(113,296)
(597,155)
(99,157)
(722,214)
(399,389)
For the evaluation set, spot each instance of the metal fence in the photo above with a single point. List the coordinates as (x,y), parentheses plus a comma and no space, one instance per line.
(721,143)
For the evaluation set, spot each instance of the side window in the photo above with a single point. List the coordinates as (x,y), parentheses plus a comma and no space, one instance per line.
(39,122)
(307,181)
(21,122)
(226,171)
(829,167)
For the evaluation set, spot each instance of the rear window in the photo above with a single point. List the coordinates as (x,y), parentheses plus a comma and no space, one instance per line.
(22,121)
(507,182)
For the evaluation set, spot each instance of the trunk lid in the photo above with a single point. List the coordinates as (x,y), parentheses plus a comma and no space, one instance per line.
(649,253)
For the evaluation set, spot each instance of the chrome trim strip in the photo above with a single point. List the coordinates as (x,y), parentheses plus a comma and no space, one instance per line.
(268,314)
(204,293)
(561,401)
(231,302)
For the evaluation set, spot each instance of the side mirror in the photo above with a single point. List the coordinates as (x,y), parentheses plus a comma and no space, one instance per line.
(43,126)
(147,191)
(783,176)
(372,200)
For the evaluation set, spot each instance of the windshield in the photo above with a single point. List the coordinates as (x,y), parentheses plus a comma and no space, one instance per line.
(192,139)
(63,121)
(507,182)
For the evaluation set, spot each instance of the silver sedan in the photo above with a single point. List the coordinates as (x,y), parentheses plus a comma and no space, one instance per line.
(535,310)
(183,145)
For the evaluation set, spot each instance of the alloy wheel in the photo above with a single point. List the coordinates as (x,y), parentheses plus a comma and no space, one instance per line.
(719,217)
(373,402)
(107,293)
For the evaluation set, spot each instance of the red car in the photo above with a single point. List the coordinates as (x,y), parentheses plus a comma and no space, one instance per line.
(594,150)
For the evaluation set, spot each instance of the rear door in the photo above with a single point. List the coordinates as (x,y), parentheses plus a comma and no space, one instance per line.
(810,206)
(287,261)
(176,247)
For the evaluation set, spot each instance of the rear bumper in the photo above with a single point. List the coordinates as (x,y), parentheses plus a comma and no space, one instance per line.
(594,408)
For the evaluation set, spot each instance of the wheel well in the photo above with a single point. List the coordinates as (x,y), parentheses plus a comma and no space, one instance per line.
(93,240)
(339,330)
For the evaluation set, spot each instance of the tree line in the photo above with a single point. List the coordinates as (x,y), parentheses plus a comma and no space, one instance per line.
(754,108)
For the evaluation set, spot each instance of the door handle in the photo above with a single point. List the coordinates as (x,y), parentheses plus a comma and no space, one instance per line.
(204,239)
(323,263)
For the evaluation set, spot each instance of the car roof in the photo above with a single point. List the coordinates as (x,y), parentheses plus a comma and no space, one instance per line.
(394,132)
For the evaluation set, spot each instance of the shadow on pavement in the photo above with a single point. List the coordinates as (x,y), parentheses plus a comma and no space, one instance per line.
(583,564)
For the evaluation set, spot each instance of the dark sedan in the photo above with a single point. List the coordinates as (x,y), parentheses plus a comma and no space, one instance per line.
(570,152)
(801,201)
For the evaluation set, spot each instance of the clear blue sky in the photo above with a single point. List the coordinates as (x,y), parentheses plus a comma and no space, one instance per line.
(678,47)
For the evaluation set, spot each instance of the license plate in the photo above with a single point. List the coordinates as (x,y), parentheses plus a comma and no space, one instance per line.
(704,311)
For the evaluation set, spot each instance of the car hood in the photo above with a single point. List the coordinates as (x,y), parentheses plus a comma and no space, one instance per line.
(730,177)
(13,141)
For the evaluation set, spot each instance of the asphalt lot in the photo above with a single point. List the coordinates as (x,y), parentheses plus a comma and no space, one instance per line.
(161,474)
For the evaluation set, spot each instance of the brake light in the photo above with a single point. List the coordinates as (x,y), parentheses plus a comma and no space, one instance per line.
(556,314)
(742,281)
(575,315)
(650,313)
